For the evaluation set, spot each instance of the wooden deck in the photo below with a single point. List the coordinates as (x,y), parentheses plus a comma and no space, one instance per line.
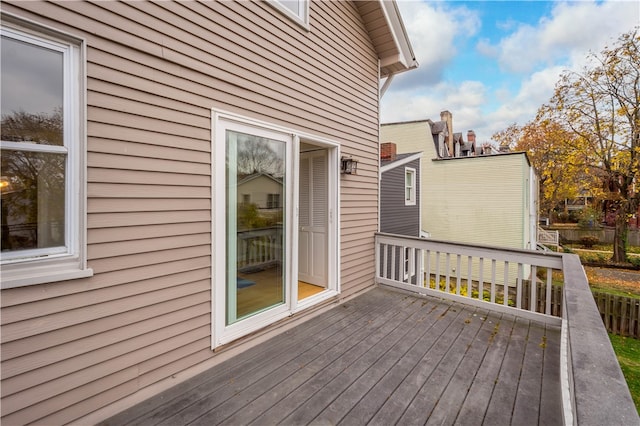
(383,358)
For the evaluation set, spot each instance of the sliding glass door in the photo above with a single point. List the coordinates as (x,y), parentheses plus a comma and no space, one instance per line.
(255,224)
(265,180)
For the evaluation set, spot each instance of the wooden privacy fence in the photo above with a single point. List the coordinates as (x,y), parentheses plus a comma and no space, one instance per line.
(620,314)
(541,293)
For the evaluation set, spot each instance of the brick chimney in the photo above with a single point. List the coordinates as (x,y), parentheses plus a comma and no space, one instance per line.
(447,117)
(388,151)
(471,136)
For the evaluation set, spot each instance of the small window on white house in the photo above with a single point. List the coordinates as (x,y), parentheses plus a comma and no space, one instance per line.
(409,186)
(298,10)
(273,201)
(41,148)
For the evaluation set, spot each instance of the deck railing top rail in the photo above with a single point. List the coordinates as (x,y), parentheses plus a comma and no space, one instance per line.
(598,391)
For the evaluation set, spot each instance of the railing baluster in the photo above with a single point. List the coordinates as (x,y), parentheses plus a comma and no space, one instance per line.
(469,280)
(458,276)
(420,268)
(437,270)
(447,273)
(394,258)
(549,287)
(480,279)
(519,287)
(385,261)
(505,286)
(533,302)
(428,274)
(493,281)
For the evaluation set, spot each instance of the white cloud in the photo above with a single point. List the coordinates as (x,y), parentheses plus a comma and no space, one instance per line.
(464,100)
(568,34)
(534,92)
(537,54)
(433,29)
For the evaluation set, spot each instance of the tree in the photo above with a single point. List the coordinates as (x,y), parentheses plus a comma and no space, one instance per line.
(554,152)
(259,155)
(508,138)
(33,200)
(600,106)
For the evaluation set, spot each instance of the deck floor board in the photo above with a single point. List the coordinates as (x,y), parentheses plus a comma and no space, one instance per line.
(383,358)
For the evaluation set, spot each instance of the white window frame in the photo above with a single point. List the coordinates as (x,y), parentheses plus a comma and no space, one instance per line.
(411,201)
(37,266)
(301,18)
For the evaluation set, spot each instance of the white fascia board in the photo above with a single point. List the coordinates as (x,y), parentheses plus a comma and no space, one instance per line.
(401,162)
(399,32)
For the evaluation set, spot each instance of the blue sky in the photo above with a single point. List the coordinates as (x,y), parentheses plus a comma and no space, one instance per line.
(493,63)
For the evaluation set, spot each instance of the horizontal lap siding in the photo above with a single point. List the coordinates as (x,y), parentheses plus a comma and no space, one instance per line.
(395,216)
(473,204)
(154,71)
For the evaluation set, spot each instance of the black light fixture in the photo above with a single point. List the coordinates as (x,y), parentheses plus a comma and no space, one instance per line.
(348,166)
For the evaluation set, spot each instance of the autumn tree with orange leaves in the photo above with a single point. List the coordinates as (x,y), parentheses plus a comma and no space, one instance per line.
(600,107)
(587,138)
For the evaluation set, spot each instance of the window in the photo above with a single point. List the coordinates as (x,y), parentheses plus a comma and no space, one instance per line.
(298,10)
(409,186)
(41,148)
(273,201)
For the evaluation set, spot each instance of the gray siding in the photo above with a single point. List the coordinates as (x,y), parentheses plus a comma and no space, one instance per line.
(395,216)
(154,71)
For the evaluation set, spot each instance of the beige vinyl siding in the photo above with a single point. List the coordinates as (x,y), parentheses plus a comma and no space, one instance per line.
(472,201)
(478,200)
(154,71)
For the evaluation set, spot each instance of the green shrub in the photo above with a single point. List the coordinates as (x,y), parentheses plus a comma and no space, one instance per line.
(589,218)
(589,241)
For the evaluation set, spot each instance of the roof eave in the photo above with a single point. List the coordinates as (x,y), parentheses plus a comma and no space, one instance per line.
(403,59)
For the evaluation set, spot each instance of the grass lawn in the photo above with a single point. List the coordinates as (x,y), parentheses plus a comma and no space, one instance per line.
(628,353)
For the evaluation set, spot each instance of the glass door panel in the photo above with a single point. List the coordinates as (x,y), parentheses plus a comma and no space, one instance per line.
(255,224)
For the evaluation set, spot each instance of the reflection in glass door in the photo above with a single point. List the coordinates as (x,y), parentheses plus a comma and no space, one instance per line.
(255,224)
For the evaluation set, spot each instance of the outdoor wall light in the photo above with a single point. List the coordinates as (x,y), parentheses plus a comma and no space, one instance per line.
(348,166)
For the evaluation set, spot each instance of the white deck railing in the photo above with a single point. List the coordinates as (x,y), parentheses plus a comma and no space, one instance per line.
(545,286)
(259,247)
(521,281)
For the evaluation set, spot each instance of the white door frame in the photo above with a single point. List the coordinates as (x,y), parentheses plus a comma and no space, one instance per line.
(221,121)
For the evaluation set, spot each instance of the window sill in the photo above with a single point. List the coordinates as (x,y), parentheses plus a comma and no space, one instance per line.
(32,273)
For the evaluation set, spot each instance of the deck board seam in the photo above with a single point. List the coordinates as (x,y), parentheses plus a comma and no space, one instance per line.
(215,411)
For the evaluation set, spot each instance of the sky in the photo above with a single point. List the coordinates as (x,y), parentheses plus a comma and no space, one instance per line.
(494,63)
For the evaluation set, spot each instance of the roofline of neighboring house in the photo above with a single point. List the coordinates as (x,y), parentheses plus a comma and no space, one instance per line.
(400,162)
(501,154)
(254,176)
(407,122)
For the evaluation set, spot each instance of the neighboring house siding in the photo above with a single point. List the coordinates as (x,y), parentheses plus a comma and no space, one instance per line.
(395,216)
(478,200)
(258,190)
(154,71)
(413,137)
